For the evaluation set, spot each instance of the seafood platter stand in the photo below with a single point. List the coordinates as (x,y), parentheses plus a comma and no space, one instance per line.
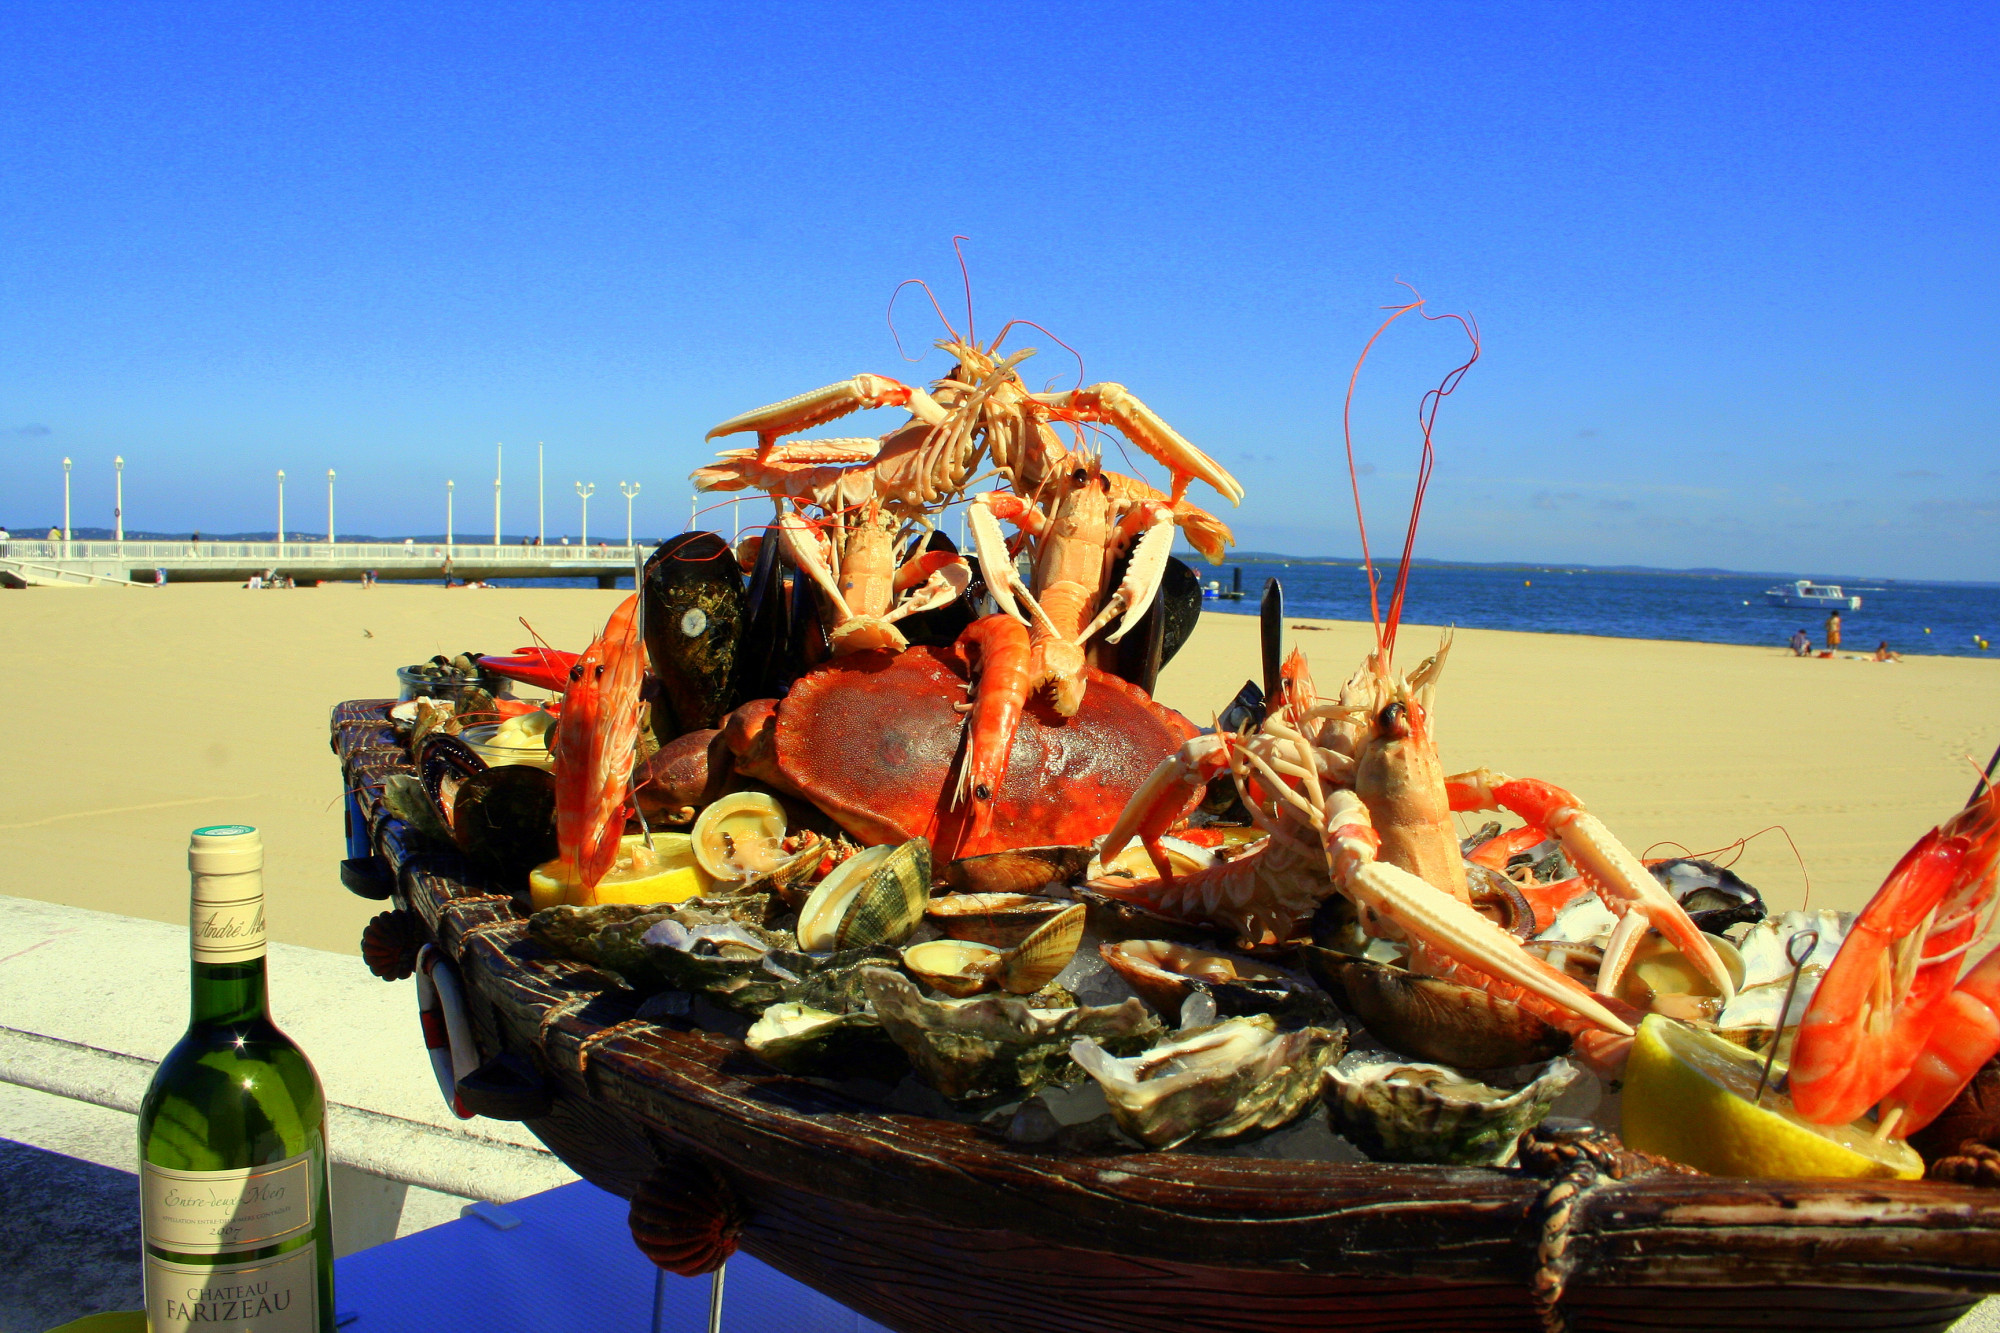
(818,927)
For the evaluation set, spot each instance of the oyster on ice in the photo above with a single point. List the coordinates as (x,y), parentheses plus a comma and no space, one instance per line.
(1213,1082)
(995,1044)
(1399,1111)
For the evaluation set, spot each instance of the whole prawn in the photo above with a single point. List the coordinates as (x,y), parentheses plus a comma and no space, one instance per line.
(593,748)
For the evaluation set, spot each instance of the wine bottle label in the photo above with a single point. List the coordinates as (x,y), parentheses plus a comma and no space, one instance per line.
(226,1212)
(227,918)
(278,1295)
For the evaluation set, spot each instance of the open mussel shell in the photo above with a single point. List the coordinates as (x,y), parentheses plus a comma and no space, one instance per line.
(1500,901)
(740,835)
(1429,1018)
(1017,870)
(444,764)
(1215,1082)
(504,820)
(1714,897)
(1398,1111)
(1000,919)
(1166,973)
(800,1039)
(876,896)
(995,1045)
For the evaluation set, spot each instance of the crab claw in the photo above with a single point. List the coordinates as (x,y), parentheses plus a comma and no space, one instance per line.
(828,404)
(1441,922)
(996,563)
(1164,795)
(1625,885)
(1111,404)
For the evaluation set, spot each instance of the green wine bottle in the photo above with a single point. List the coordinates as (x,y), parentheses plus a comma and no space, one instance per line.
(232,1133)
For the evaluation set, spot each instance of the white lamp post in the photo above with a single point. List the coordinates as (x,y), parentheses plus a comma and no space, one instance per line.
(496,494)
(329,507)
(281,513)
(66,531)
(118,505)
(449,487)
(628,508)
(541,526)
(584,490)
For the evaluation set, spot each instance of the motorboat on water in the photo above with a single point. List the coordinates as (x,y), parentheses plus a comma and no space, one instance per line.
(1806,593)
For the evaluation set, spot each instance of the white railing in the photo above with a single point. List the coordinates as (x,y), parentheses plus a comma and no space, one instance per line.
(150,552)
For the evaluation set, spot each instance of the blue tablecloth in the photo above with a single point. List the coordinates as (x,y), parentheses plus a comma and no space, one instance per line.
(568,1267)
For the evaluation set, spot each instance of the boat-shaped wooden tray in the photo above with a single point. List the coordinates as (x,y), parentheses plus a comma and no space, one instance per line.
(932,1227)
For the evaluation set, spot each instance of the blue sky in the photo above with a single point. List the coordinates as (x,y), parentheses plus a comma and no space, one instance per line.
(1735,265)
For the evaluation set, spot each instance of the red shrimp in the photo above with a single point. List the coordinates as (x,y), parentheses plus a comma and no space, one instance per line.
(594,746)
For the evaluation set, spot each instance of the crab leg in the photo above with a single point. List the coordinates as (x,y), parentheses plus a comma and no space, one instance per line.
(807,410)
(1625,885)
(1164,795)
(1111,404)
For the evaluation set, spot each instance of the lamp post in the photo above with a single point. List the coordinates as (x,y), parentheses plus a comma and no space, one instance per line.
(449,487)
(329,508)
(496,494)
(541,526)
(118,505)
(281,513)
(66,531)
(584,490)
(628,508)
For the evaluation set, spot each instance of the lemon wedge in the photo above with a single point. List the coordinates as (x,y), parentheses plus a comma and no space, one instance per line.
(666,872)
(1687,1096)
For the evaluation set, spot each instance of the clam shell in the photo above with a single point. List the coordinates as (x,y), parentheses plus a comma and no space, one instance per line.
(1036,960)
(956,967)
(738,836)
(999,919)
(876,896)
(1166,973)
(1429,1018)
(1215,1082)
(1018,870)
(1398,1111)
(994,1045)
(1133,862)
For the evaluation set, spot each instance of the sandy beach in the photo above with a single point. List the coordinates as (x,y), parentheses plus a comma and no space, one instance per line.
(142,714)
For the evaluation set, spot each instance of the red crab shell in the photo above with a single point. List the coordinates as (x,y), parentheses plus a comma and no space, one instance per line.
(873,739)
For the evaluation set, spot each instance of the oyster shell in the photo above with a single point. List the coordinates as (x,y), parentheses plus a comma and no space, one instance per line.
(992,1045)
(966,967)
(1165,974)
(1430,1018)
(876,896)
(1397,1111)
(1752,1016)
(999,919)
(1016,871)
(721,959)
(800,1039)
(1215,1082)
(740,835)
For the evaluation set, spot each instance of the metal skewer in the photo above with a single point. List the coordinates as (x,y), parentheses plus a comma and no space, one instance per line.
(1986,778)
(715,1297)
(1798,962)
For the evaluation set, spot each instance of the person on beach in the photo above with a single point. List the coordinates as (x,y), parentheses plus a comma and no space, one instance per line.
(1882,653)
(1833,630)
(1801,643)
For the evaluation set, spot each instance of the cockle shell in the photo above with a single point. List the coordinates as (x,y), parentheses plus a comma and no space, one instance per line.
(999,919)
(740,835)
(966,967)
(992,1045)
(1396,1111)
(876,896)
(1214,1082)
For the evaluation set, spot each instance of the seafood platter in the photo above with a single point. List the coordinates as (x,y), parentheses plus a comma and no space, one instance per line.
(851,899)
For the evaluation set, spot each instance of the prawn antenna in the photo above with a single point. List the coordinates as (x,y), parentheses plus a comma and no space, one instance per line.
(1427,409)
(915,282)
(966,274)
(1008,327)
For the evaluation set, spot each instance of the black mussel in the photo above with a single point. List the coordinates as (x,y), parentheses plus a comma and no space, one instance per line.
(695,614)
(1246,711)
(1500,900)
(1713,897)
(504,820)
(1486,833)
(1271,635)
(762,669)
(1165,973)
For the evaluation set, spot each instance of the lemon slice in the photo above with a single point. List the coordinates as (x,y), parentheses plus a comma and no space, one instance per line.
(663,873)
(1687,1096)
